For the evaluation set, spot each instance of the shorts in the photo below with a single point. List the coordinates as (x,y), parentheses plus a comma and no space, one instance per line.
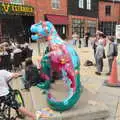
(10,101)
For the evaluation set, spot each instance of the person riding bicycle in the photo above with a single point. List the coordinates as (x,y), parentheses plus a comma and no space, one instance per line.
(7,98)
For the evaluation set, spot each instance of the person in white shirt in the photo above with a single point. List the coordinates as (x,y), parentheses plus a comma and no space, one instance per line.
(5,94)
(75,38)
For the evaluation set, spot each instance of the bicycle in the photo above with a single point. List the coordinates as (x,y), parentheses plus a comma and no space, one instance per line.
(6,112)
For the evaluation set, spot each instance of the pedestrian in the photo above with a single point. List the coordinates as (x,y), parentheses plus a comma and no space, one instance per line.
(111,53)
(31,75)
(94,44)
(102,37)
(99,55)
(79,43)
(86,37)
(75,38)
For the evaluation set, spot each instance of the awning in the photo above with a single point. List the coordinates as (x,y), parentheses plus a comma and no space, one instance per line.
(57,19)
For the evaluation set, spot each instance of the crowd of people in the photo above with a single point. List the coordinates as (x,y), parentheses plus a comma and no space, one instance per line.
(14,54)
(98,43)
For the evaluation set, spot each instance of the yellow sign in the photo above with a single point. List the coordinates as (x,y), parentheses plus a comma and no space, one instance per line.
(12,8)
(6,7)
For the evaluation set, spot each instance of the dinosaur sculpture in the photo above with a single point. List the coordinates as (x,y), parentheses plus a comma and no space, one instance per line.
(62,58)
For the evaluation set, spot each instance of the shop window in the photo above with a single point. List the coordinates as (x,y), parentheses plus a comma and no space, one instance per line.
(108,10)
(78,26)
(89,4)
(81,3)
(55,4)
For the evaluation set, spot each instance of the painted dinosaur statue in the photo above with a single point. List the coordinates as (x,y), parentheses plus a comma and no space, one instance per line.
(61,58)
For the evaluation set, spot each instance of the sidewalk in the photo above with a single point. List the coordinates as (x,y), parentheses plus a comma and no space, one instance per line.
(93,91)
(94,84)
(110,96)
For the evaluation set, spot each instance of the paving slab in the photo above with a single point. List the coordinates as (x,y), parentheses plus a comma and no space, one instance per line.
(83,110)
(87,109)
(115,91)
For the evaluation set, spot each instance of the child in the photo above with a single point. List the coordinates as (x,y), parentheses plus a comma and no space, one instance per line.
(31,75)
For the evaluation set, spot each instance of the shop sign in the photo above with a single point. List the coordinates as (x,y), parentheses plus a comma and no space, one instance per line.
(15,9)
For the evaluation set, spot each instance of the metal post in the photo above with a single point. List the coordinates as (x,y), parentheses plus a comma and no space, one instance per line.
(38,43)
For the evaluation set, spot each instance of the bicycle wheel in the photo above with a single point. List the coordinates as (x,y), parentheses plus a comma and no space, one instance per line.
(18,97)
(5,112)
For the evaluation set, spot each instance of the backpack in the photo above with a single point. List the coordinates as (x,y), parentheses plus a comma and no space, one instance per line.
(115,50)
(88,63)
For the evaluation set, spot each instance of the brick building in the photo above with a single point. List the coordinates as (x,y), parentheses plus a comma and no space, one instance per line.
(83,16)
(54,11)
(16,17)
(109,16)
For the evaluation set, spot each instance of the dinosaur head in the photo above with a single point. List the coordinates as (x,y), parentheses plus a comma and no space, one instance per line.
(41,29)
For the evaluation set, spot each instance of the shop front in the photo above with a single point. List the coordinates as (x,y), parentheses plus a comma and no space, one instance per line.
(15,22)
(108,28)
(60,22)
(81,25)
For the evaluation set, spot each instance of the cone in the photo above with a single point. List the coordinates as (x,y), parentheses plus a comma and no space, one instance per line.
(113,79)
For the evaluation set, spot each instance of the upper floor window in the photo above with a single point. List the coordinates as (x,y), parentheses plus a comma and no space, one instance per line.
(108,10)
(81,3)
(55,3)
(89,4)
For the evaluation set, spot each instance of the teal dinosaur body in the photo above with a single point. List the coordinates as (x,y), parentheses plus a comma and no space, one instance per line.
(61,58)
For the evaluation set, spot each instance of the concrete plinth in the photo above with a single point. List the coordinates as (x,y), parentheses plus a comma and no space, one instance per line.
(86,108)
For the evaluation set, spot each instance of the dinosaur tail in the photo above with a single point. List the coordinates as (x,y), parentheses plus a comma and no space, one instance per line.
(71,100)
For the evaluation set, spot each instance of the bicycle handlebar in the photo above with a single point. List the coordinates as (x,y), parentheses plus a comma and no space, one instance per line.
(8,82)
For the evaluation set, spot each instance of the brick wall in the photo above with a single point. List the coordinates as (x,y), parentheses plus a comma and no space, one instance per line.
(44,7)
(115,11)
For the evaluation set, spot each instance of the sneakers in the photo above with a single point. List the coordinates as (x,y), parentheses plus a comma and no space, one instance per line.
(38,115)
(97,73)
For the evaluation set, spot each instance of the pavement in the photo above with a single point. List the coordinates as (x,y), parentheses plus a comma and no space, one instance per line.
(97,101)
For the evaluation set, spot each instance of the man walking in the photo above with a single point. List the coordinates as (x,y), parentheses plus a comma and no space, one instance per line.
(111,53)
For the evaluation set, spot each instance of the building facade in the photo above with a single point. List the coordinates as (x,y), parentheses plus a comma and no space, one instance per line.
(109,16)
(83,16)
(16,17)
(54,11)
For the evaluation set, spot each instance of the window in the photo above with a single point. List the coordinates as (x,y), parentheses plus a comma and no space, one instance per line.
(78,26)
(89,4)
(108,10)
(55,3)
(81,4)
